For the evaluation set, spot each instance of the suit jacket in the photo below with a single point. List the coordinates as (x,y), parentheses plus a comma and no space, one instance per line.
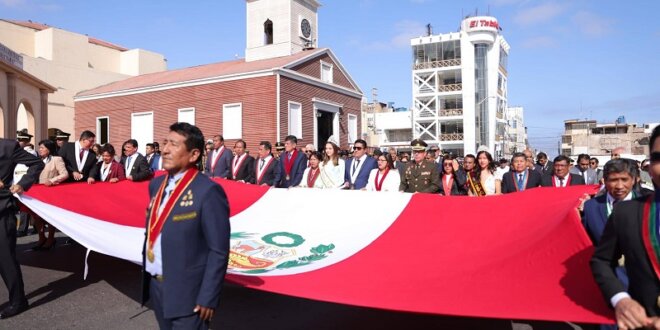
(195,248)
(10,155)
(54,171)
(591,176)
(116,171)
(297,170)
(140,169)
(245,170)
(510,185)
(153,162)
(457,187)
(548,168)
(271,175)
(222,164)
(623,236)
(68,153)
(548,180)
(363,175)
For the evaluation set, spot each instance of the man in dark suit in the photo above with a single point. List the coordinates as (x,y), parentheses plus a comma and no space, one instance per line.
(10,155)
(242,165)
(218,163)
(186,249)
(356,174)
(584,170)
(630,231)
(520,177)
(543,165)
(292,163)
(135,165)
(79,157)
(560,176)
(153,159)
(266,167)
(593,163)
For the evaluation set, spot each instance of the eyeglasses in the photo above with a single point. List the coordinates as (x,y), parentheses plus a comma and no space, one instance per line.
(382,160)
(447,165)
(357,148)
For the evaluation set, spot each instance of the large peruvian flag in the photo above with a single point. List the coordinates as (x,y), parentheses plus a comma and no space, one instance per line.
(517,256)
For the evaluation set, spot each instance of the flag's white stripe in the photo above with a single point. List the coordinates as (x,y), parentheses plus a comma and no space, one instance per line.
(109,238)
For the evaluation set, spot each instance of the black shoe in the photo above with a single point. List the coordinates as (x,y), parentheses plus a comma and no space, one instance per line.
(39,246)
(21,234)
(13,310)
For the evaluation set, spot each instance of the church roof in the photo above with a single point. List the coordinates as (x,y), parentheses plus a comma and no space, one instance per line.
(40,27)
(204,74)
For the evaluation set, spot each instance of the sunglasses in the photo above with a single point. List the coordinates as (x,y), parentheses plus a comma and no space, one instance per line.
(655,157)
(357,148)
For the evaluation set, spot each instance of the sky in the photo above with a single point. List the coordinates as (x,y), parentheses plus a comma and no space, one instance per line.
(569,59)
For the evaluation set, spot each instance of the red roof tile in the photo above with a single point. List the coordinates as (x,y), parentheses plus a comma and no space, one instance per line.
(40,27)
(199,72)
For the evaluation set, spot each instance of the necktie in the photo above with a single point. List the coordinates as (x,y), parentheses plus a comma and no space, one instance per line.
(261,166)
(128,164)
(520,181)
(561,182)
(290,154)
(357,162)
(82,153)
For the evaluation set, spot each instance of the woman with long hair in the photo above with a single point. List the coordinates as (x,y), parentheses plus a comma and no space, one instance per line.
(486,173)
(333,167)
(53,173)
(384,177)
(311,175)
(451,184)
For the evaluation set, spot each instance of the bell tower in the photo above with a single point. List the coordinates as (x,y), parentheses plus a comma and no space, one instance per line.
(278,28)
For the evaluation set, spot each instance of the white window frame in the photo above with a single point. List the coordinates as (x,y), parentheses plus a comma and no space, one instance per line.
(232,130)
(142,144)
(98,128)
(327,78)
(297,124)
(351,139)
(185,110)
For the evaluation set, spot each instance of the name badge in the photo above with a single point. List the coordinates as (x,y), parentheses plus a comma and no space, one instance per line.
(184,216)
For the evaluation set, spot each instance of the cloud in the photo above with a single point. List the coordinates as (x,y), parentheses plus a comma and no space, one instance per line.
(12,3)
(539,14)
(540,42)
(592,25)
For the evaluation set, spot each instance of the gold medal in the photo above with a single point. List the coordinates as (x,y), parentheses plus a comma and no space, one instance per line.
(150,255)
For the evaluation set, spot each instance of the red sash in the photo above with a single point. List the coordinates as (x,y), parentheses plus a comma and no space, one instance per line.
(567,179)
(288,163)
(234,169)
(515,180)
(311,178)
(217,159)
(379,184)
(263,170)
(155,224)
(447,186)
(650,234)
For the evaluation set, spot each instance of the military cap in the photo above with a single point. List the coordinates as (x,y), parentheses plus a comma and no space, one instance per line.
(418,145)
(23,134)
(59,134)
(279,146)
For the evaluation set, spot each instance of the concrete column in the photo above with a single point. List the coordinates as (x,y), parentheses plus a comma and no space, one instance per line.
(12,107)
(41,118)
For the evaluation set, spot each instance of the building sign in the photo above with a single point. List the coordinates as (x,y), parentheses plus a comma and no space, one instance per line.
(9,56)
(482,23)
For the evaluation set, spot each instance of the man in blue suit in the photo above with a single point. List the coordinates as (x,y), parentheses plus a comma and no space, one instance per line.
(292,163)
(187,241)
(358,167)
(218,162)
(153,158)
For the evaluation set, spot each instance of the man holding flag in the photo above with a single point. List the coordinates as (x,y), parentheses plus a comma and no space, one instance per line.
(187,241)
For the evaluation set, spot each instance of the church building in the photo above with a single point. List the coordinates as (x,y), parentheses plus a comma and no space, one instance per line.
(285,85)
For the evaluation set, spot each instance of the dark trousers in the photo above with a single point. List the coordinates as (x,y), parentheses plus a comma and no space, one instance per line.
(9,267)
(191,321)
(24,222)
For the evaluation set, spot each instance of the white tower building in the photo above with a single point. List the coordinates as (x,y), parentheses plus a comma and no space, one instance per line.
(459,87)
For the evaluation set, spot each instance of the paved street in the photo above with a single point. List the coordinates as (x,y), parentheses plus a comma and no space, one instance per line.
(109,299)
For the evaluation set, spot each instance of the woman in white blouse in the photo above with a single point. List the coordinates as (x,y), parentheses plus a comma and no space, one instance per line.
(385,177)
(491,182)
(53,173)
(311,175)
(332,168)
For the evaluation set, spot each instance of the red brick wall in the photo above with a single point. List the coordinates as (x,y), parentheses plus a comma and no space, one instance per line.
(257,96)
(293,90)
(313,68)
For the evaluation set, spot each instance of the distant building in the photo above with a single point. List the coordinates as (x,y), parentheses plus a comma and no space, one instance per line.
(590,137)
(459,87)
(71,62)
(516,133)
(284,86)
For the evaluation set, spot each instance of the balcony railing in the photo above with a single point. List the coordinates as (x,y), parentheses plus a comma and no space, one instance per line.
(451,87)
(437,64)
(451,112)
(451,137)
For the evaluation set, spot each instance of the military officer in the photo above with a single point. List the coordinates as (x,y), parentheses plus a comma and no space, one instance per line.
(421,175)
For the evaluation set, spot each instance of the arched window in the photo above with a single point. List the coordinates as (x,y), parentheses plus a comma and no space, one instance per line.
(268,32)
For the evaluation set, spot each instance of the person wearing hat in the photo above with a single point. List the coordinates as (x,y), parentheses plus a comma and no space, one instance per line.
(279,147)
(421,175)
(23,138)
(60,139)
